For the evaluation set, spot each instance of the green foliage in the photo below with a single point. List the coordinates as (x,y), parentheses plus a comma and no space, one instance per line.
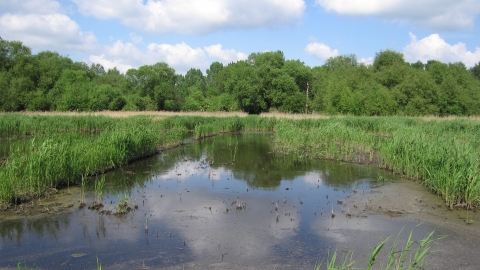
(270,59)
(195,101)
(244,84)
(387,58)
(71,91)
(378,100)
(418,65)
(48,81)
(156,82)
(337,63)
(224,102)
(283,90)
(195,78)
(212,74)
(299,72)
(105,97)
(475,70)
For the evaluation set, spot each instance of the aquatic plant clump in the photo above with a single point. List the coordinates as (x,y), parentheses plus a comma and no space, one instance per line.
(411,256)
(125,205)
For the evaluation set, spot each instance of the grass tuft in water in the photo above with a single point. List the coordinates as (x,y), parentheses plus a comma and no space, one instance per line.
(407,257)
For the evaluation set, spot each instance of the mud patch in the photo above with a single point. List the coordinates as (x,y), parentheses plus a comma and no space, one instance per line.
(407,200)
(64,200)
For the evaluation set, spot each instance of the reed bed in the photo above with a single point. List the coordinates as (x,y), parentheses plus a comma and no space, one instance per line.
(60,150)
(442,153)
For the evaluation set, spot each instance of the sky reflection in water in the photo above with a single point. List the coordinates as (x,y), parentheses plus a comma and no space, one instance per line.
(190,206)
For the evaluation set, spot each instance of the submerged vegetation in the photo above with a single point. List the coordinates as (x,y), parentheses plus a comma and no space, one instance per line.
(442,153)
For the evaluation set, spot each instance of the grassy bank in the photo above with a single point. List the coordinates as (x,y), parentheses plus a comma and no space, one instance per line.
(443,153)
(61,149)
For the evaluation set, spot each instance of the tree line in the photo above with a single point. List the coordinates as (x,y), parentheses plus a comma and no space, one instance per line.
(266,81)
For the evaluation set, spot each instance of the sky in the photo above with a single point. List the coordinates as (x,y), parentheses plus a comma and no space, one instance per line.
(194,33)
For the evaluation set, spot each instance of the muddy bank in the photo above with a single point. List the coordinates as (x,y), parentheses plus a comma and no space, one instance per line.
(409,200)
(57,202)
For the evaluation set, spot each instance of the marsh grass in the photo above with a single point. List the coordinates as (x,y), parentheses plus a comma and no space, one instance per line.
(99,264)
(411,256)
(442,153)
(125,205)
(83,190)
(62,149)
(99,186)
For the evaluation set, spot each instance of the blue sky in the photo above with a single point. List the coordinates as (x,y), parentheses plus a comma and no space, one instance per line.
(194,33)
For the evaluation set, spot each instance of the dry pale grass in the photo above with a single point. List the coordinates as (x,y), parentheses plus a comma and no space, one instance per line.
(450,117)
(276,114)
(295,115)
(163,114)
(148,113)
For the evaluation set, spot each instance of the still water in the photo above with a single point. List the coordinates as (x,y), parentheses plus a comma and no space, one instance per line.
(224,202)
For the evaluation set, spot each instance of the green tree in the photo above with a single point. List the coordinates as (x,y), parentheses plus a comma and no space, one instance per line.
(300,72)
(387,58)
(341,62)
(155,81)
(10,51)
(318,86)
(194,78)
(379,101)
(475,70)
(417,94)
(194,102)
(21,75)
(106,97)
(437,70)
(271,59)
(283,94)
(223,102)
(71,91)
(95,70)
(212,73)
(339,97)
(245,84)
(418,65)
(390,68)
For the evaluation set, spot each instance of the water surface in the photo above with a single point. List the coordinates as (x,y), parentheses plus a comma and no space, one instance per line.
(188,199)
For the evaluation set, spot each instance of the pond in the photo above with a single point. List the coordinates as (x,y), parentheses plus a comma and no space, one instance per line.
(224,202)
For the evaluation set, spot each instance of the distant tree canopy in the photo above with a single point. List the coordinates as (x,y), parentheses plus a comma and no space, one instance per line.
(263,82)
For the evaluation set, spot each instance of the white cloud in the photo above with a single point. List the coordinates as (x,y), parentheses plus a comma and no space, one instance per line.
(314,178)
(136,38)
(225,56)
(320,50)
(434,47)
(194,16)
(367,61)
(109,64)
(47,32)
(180,56)
(41,25)
(435,14)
